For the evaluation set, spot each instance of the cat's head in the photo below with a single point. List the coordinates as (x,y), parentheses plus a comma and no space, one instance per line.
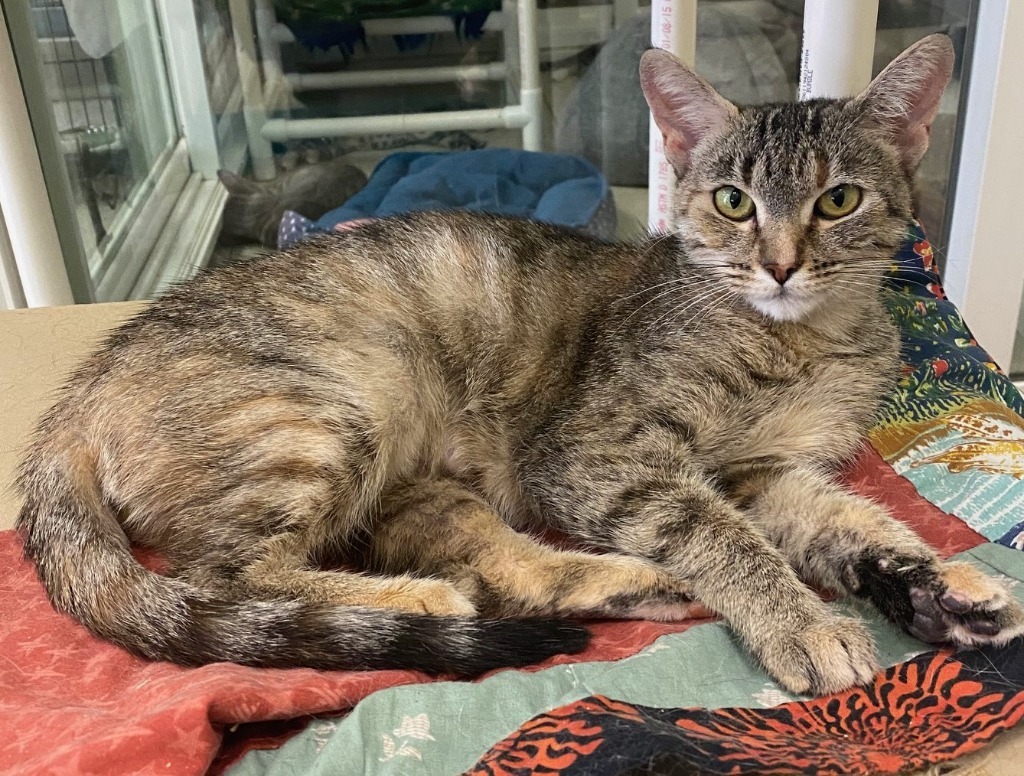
(797,204)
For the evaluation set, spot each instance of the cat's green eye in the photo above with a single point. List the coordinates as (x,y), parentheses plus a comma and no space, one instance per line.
(838,202)
(733,203)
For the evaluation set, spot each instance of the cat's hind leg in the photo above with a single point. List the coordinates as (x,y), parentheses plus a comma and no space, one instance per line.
(849,543)
(283,568)
(437,528)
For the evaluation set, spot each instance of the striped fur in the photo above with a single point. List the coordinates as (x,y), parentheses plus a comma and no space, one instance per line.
(403,396)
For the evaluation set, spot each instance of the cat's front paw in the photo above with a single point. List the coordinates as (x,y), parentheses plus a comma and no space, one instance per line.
(940,603)
(831,654)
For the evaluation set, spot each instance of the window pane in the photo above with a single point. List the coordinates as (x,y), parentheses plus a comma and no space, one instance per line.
(104,83)
(344,63)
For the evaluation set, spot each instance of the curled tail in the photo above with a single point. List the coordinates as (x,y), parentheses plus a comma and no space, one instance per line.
(84,561)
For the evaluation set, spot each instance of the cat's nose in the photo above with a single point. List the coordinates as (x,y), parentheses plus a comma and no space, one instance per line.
(781,272)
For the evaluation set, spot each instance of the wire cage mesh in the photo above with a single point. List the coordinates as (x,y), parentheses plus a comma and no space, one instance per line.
(88,114)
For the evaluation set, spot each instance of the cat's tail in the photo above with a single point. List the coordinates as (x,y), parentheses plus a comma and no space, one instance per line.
(84,561)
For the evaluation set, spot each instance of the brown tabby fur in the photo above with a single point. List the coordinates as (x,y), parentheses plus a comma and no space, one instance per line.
(407,394)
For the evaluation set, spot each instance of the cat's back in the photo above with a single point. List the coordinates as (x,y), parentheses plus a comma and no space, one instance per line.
(453,255)
(484,294)
(469,281)
(385,268)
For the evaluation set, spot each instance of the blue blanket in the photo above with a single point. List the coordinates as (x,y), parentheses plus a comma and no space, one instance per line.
(555,188)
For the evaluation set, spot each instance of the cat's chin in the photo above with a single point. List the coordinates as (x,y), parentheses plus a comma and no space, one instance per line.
(790,307)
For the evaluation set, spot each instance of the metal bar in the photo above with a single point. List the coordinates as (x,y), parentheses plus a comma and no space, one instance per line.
(419,25)
(511,117)
(673,28)
(395,77)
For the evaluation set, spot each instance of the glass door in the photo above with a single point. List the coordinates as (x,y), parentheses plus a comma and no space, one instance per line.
(96,87)
(136,104)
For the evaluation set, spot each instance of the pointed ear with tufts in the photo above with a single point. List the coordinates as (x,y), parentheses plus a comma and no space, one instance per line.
(904,98)
(685,107)
(236,184)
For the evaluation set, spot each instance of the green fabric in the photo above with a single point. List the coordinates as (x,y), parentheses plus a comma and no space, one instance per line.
(953,426)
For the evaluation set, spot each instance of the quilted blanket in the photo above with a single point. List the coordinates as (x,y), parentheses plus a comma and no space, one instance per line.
(946,456)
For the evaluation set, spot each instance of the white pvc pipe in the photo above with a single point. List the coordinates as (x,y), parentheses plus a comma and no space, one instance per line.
(531,96)
(511,117)
(266,21)
(495,71)
(838,47)
(255,111)
(673,28)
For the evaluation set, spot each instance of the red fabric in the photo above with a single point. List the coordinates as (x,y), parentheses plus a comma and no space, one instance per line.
(71,703)
(873,478)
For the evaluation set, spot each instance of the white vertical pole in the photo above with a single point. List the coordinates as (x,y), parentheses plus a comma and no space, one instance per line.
(530,93)
(24,203)
(253,101)
(673,28)
(277,90)
(839,47)
(270,49)
(11,295)
(183,49)
(984,275)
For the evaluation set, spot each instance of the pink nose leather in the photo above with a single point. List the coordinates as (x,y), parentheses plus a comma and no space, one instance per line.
(781,272)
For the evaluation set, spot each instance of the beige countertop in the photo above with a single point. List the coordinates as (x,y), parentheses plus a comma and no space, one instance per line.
(38,349)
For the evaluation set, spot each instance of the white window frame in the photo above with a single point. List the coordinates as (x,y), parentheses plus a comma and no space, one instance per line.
(213,142)
(984,272)
(33,272)
(12,295)
(171,218)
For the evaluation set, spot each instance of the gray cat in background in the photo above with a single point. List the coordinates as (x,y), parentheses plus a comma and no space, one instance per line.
(605,119)
(253,210)
(409,393)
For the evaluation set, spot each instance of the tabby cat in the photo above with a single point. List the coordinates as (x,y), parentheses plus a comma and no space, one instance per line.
(253,210)
(406,395)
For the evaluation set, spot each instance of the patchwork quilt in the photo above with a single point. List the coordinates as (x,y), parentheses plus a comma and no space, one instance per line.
(692,702)
(946,455)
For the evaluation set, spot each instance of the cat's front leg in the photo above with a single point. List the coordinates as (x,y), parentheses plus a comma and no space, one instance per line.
(848,543)
(680,521)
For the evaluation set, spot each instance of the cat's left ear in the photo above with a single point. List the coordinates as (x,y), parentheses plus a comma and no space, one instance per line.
(685,107)
(904,98)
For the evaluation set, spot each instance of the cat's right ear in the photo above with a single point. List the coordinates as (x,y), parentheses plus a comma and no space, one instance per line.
(235,184)
(685,107)
(904,98)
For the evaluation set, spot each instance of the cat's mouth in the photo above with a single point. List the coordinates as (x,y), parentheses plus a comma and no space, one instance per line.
(789,302)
